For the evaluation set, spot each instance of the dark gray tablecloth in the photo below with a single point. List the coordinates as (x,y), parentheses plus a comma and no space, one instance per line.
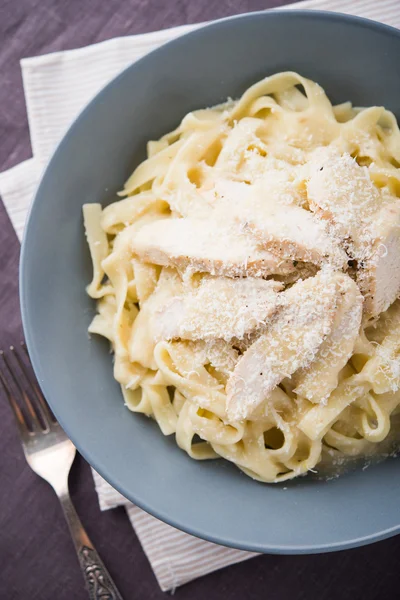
(37,559)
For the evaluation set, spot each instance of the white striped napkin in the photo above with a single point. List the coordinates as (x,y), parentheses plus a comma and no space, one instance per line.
(57,86)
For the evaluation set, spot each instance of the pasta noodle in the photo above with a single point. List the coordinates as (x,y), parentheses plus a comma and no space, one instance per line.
(281,213)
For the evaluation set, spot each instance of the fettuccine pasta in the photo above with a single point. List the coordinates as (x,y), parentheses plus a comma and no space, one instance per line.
(247,280)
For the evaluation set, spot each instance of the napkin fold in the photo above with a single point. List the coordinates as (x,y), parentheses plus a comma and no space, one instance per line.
(57,86)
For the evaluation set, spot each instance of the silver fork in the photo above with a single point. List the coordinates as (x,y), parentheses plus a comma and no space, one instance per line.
(50,454)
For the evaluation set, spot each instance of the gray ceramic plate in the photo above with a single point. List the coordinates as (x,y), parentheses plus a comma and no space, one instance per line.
(352,59)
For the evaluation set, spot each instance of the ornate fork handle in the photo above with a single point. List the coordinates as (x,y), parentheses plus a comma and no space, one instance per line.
(97,579)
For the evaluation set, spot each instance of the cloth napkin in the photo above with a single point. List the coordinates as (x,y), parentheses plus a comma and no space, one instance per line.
(57,86)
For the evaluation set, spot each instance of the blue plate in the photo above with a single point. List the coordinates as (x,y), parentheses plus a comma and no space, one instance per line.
(352,59)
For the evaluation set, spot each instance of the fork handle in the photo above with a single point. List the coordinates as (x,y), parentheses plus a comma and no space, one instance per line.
(98,581)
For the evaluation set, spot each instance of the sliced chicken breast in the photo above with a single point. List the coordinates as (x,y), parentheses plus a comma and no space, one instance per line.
(278,224)
(293,233)
(291,342)
(378,274)
(367,220)
(206,246)
(317,381)
(220,308)
(341,191)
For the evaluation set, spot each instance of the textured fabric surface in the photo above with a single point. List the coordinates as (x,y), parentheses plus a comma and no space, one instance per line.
(36,554)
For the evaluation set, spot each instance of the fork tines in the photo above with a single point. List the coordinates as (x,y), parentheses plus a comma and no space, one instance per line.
(22,390)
